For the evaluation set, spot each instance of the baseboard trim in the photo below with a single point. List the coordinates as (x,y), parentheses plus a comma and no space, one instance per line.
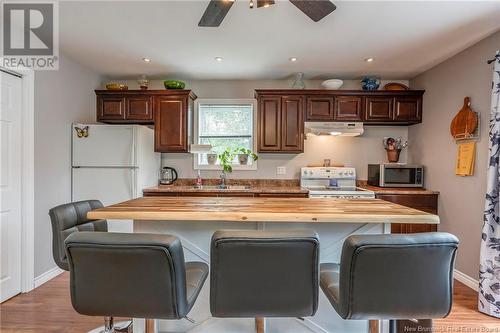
(47,276)
(467,280)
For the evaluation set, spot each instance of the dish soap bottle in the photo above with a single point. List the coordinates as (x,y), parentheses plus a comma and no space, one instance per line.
(198,179)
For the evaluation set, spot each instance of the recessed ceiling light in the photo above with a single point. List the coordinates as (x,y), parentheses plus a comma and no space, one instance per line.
(293,59)
(146,59)
(219,59)
(369,59)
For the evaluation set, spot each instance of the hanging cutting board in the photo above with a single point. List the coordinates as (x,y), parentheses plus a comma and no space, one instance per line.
(465,122)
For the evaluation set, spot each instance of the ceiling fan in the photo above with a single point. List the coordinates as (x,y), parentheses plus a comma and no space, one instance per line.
(217,9)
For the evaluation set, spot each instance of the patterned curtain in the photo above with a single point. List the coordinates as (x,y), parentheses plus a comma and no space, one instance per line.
(489,270)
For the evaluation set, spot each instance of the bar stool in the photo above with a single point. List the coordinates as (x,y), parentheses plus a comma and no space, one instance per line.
(403,276)
(69,218)
(132,275)
(258,274)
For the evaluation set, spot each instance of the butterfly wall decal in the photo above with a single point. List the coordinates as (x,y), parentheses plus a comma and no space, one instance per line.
(82,132)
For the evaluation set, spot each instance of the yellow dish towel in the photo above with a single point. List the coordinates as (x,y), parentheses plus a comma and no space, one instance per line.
(465,158)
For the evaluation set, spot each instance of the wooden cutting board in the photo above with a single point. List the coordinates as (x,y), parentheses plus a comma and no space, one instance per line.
(465,122)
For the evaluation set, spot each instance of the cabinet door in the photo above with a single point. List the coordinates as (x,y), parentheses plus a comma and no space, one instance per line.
(408,109)
(171,124)
(110,108)
(424,202)
(269,124)
(139,108)
(348,108)
(319,108)
(378,109)
(292,124)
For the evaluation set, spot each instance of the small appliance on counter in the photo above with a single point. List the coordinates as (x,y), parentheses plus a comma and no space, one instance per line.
(396,175)
(168,176)
(332,182)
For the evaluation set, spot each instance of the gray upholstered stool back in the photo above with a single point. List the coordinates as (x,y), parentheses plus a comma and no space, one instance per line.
(130,275)
(264,274)
(392,276)
(69,218)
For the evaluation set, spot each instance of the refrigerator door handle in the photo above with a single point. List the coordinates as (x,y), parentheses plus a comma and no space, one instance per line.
(132,183)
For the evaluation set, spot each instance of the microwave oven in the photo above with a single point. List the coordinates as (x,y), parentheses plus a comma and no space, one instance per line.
(396,175)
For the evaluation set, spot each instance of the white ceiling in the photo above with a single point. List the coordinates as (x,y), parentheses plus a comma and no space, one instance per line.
(405,38)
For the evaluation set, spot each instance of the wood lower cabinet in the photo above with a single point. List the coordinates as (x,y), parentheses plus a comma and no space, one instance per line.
(280,126)
(425,202)
(348,108)
(319,108)
(226,194)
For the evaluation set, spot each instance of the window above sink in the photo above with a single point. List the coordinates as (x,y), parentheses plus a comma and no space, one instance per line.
(224,123)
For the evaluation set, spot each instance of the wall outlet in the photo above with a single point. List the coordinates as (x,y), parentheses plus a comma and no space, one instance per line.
(281,170)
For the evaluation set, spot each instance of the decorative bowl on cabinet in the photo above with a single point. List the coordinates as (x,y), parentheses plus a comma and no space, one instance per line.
(332,84)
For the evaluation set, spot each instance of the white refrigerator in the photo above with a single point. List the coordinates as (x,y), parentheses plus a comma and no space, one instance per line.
(112,163)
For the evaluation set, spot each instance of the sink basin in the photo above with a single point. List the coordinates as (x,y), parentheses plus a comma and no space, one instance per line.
(228,187)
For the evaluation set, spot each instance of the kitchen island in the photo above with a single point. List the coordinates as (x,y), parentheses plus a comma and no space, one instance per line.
(195,219)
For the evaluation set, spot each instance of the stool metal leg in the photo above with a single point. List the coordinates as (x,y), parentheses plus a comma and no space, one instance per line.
(108,325)
(260,325)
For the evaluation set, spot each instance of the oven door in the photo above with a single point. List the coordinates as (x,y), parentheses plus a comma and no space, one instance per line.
(402,176)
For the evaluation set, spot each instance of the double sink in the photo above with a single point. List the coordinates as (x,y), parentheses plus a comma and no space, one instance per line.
(227,188)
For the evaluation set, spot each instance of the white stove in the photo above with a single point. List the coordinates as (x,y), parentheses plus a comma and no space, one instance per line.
(332,182)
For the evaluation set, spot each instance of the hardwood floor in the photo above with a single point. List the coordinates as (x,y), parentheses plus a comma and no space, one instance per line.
(48,309)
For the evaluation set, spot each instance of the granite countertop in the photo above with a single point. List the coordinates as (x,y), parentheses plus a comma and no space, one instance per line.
(244,210)
(235,185)
(394,190)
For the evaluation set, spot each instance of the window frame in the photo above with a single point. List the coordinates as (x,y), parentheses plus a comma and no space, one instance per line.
(229,101)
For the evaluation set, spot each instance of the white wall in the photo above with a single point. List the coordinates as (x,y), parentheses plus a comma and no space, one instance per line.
(461,202)
(356,152)
(61,97)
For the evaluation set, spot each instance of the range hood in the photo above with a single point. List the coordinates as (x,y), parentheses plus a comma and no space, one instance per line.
(333,128)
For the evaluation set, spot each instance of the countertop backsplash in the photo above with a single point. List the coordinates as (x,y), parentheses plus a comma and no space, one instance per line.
(355,152)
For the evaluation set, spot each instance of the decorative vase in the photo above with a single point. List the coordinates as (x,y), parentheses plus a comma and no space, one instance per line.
(143,82)
(299,81)
(243,159)
(393,155)
(211,159)
(370,83)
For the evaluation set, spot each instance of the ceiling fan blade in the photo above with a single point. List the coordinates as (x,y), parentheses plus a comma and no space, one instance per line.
(315,9)
(264,3)
(215,13)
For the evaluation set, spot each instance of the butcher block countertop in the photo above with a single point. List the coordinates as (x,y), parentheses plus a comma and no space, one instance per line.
(199,209)
(395,190)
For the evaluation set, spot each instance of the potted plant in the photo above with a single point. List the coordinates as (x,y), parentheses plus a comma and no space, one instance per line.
(211,158)
(393,148)
(243,154)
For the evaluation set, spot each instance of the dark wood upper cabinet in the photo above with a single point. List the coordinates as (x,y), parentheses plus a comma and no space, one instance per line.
(408,109)
(348,108)
(379,109)
(111,108)
(269,124)
(171,124)
(169,110)
(319,108)
(292,124)
(139,108)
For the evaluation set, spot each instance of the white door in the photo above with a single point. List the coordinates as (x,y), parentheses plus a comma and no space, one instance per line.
(10,185)
(103,145)
(109,185)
